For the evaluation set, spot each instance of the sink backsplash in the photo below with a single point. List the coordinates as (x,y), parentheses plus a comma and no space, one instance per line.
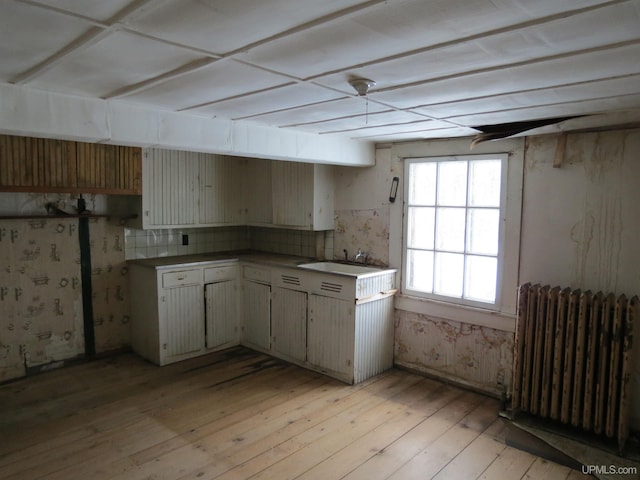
(169,242)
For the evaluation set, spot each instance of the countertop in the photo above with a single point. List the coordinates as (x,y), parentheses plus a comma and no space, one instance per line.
(202,259)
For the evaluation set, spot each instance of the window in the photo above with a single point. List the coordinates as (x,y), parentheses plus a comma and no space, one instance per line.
(453,228)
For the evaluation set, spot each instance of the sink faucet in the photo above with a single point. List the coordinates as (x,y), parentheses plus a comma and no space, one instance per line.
(359,255)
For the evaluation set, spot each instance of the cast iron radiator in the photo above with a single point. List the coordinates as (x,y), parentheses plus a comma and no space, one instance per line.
(573,358)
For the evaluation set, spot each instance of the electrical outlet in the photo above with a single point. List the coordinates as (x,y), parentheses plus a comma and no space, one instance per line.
(185,239)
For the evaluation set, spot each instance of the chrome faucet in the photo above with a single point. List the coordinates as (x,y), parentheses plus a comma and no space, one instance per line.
(359,255)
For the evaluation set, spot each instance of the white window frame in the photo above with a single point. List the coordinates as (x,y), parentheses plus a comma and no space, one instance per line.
(396,155)
(500,256)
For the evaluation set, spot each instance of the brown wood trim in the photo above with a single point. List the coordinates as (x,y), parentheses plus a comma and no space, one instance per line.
(30,164)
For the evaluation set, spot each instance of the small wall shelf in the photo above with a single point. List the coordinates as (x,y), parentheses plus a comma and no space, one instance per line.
(85,215)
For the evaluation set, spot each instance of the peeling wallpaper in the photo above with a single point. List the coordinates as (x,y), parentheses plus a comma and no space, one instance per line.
(588,207)
(110,286)
(579,229)
(40,294)
(41,318)
(479,357)
(580,224)
(363,229)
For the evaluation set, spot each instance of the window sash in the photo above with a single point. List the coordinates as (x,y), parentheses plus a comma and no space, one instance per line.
(433,203)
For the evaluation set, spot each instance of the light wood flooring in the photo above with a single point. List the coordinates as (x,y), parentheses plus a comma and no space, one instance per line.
(239,414)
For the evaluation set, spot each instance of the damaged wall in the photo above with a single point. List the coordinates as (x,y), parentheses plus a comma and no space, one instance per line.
(580,225)
(362,210)
(41,318)
(473,355)
(580,222)
(580,229)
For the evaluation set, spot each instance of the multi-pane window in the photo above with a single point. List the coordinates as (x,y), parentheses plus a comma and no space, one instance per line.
(453,227)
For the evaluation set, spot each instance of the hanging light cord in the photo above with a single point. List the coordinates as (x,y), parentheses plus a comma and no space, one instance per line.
(366,110)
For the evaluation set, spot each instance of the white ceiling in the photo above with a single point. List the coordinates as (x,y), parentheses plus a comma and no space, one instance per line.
(440,66)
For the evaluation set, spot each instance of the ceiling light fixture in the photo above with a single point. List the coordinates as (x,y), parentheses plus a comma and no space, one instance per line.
(362,86)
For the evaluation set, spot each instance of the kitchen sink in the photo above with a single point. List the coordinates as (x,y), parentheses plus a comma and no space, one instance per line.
(342,268)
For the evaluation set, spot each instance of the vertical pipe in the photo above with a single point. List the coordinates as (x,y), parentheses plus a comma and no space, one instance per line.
(87,290)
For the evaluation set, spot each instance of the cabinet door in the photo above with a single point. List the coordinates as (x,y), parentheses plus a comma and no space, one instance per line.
(221,313)
(35,164)
(30,164)
(108,168)
(330,334)
(292,185)
(257,191)
(257,314)
(289,322)
(182,329)
(220,190)
(170,190)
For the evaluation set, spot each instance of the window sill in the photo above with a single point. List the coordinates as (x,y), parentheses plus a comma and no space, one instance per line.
(458,313)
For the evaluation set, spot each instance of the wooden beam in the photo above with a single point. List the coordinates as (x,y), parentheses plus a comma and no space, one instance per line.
(561,148)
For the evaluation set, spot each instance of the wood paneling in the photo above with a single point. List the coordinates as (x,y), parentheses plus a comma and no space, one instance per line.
(29,164)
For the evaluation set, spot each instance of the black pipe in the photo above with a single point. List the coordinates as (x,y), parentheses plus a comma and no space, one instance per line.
(87,289)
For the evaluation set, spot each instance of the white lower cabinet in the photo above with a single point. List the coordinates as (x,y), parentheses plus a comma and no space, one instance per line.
(170,319)
(167,310)
(221,301)
(335,324)
(181,338)
(289,323)
(256,307)
(330,335)
(256,304)
(221,314)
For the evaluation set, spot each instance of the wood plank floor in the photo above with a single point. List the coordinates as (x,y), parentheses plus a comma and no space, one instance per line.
(239,414)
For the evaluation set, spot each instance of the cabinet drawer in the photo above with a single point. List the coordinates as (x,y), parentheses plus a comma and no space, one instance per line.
(255,273)
(218,274)
(183,277)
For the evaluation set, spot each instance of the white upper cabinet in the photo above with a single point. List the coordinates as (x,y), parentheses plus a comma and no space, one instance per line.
(220,190)
(302,195)
(257,192)
(188,189)
(170,188)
